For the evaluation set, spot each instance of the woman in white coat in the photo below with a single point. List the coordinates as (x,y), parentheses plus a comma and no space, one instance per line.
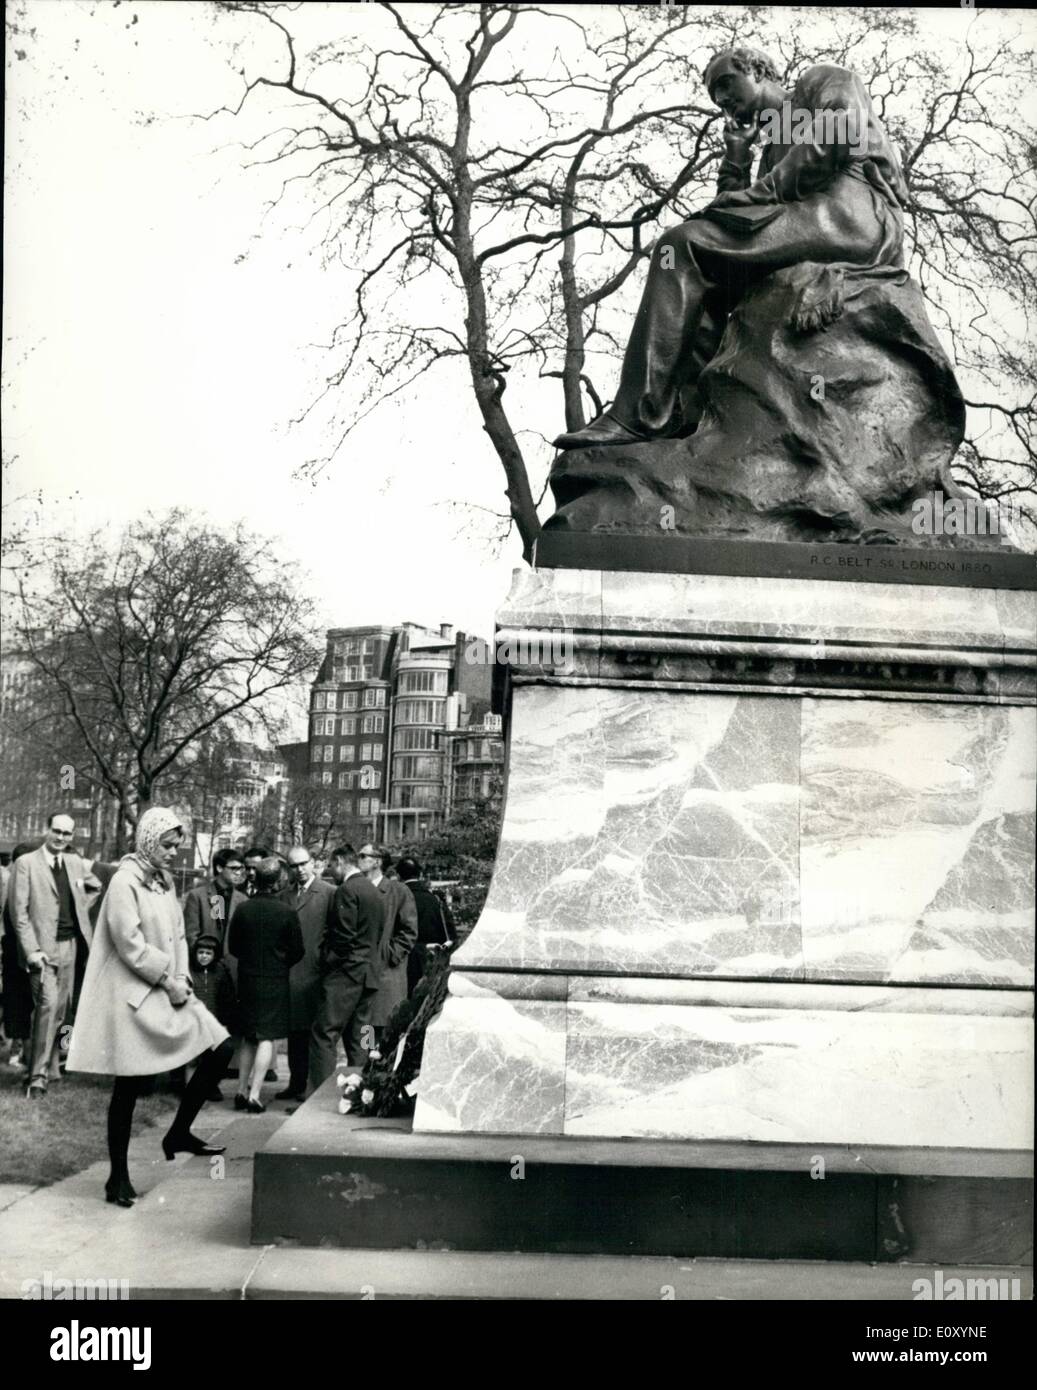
(138,1014)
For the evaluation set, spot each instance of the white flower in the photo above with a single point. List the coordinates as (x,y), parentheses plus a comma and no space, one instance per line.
(345,1106)
(375,1056)
(367,1097)
(352,1081)
(340,1080)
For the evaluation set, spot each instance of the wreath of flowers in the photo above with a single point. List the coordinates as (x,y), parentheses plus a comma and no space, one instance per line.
(387,1084)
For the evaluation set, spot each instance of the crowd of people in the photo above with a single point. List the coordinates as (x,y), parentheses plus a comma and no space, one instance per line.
(106,971)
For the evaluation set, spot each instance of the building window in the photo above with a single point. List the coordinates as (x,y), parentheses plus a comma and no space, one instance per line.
(345,752)
(365,806)
(343,780)
(329,752)
(318,700)
(423,798)
(348,726)
(349,699)
(419,712)
(374,724)
(317,755)
(412,769)
(423,683)
(379,697)
(325,778)
(407,740)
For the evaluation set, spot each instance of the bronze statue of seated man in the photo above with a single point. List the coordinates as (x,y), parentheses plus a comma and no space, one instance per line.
(832,193)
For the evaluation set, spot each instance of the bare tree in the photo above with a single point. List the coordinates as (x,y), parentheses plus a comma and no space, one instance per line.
(521,158)
(146,650)
(310,814)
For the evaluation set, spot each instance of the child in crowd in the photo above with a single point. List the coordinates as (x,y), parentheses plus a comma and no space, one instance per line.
(214,986)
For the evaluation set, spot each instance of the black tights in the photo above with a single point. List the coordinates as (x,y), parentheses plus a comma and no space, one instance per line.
(210,1073)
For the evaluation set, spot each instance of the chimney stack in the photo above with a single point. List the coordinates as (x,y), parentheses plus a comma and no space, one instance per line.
(446,629)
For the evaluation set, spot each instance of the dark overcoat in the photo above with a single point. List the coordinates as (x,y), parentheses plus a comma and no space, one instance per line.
(266,939)
(311,905)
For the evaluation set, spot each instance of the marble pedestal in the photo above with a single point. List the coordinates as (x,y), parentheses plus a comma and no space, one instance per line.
(766,872)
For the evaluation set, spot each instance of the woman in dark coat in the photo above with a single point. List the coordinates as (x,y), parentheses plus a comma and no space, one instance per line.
(266,938)
(17,988)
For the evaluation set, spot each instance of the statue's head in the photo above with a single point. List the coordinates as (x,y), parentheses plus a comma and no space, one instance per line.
(735,79)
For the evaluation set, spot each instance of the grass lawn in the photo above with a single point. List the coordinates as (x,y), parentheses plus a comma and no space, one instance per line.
(44,1141)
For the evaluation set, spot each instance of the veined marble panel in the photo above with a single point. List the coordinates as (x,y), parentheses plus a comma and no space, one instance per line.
(829,610)
(494,1065)
(771,995)
(806,609)
(1017,614)
(669,1072)
(553,598)
(647,832)
(917,842)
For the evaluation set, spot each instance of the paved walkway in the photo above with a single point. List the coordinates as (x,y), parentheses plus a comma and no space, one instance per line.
(188,1237)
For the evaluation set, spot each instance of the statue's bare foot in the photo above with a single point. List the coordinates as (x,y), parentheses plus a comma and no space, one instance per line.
(606,429)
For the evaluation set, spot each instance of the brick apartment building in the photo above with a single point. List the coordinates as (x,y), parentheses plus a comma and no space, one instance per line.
(383,711)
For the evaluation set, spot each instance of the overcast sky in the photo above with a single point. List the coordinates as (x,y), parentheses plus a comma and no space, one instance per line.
(156,348)
(157,345)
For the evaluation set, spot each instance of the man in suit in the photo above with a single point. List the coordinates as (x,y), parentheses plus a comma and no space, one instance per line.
(311,898)
(349,967)
(252,858)
(209,907)
(435,924)
(50,894)
(399,935)
(208,910)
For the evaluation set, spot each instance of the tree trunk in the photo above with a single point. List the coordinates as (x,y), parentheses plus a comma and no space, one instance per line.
(575,355)
(488,382)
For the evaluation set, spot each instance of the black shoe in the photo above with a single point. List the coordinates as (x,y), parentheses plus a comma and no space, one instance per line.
(121,1193)
(255,1107)
(240,1102)
(189,1143)
(36,1091)
(271,1076)
(288,1095)
(606,429)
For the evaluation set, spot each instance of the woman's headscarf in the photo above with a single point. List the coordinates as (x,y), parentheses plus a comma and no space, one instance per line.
(153,824)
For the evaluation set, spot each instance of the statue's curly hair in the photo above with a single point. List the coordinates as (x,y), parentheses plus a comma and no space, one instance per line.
(752,60)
